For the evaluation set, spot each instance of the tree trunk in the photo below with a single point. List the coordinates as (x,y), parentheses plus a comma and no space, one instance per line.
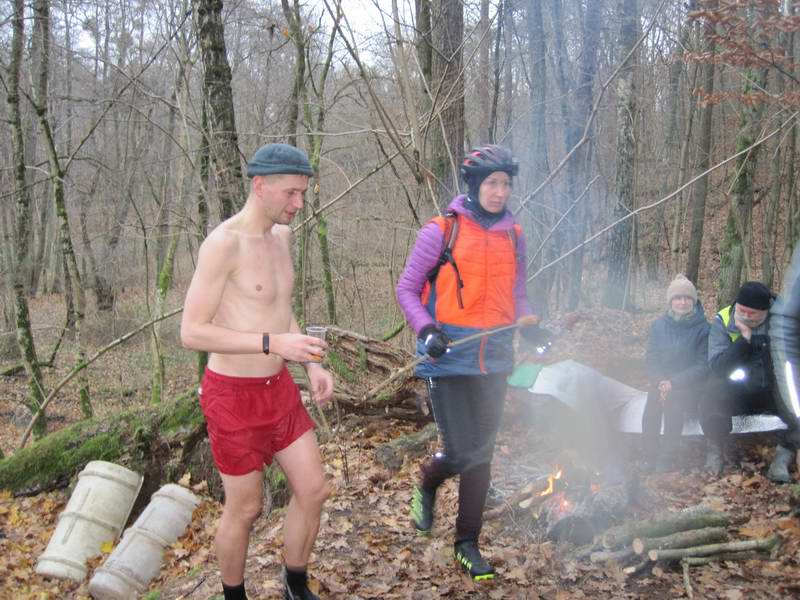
(448,93)
(292,15)
(537,59)
(21,250)
(316,128)
(163,285)
(579,166)
(484,29)
(57,178)
(508,73)
(619,253)
(223,141)
(736,243)
(700,188)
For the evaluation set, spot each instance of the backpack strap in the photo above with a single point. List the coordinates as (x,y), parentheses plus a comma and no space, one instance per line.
(451,225)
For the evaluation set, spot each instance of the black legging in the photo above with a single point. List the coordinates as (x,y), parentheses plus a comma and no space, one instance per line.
(674,410)
(468,410)
(724,399)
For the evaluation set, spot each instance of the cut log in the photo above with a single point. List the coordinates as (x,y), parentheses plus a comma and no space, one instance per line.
(663,524)
(392,454)
(681,539)
(637,568)
(696,561)
(618,556)
(713,549)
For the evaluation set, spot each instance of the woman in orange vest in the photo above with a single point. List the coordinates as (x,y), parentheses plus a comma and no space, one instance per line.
(466,275)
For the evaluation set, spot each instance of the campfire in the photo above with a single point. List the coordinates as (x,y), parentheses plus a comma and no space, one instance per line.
(569,504)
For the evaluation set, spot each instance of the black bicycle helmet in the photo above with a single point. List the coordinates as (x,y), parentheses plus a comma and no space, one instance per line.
(484,160)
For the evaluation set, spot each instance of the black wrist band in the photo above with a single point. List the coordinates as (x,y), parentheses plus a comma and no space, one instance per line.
(265,343)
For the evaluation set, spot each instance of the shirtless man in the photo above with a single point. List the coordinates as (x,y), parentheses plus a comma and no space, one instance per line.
(238,308)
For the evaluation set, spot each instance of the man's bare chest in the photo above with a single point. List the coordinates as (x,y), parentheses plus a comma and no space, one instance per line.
(263,278)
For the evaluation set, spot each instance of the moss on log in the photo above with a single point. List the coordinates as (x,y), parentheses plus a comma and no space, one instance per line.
(128,439)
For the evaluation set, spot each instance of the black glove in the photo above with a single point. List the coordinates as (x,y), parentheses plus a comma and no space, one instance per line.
(435,340)
(535,335)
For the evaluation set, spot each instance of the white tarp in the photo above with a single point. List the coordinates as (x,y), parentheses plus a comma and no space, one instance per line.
(581,387)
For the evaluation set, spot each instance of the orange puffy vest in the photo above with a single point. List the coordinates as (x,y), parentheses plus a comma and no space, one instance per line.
(487,264)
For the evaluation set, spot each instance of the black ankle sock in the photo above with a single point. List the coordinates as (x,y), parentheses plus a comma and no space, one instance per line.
(234,592)
(296,578)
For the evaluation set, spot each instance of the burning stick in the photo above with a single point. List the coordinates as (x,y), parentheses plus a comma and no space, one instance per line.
(527,497)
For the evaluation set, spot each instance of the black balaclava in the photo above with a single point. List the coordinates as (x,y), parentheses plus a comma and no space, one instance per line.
(483,217)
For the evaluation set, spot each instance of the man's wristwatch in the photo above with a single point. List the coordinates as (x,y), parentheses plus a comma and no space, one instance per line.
(265,343)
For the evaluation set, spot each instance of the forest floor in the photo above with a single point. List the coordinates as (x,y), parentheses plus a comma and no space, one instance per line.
(366,547)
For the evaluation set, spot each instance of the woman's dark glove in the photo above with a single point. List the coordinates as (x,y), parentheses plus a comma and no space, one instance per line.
(535,335)
(435,341)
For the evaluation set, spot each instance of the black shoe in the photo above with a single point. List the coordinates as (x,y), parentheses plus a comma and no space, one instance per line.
(422,502)
(469,557)
(303,594)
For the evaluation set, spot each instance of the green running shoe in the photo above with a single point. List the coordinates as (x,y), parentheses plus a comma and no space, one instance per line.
(469,557)
(422,502)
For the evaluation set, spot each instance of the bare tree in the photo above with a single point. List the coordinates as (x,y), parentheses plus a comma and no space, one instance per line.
(222,136)
(25,341)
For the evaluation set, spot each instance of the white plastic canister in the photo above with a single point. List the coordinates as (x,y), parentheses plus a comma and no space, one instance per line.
(96,513)
(128,570)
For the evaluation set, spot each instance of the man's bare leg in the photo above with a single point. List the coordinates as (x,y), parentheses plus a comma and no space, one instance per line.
(301,463)
(243,502)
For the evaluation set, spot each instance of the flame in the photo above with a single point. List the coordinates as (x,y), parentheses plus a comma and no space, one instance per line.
(551,479)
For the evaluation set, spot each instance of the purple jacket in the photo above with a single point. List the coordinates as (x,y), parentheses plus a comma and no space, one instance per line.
(425,255)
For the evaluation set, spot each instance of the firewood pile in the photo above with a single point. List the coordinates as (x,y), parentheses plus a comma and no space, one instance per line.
(690,537)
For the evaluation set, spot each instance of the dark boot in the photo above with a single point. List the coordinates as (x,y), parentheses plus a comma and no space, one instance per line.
(715,457)
(779,469)
(469,557)
(668,458)
(422,503)
(295,591)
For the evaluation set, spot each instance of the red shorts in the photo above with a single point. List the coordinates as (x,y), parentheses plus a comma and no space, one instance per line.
(249,419)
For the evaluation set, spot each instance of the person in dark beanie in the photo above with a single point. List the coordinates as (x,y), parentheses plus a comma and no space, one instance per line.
(239,309)
(677,367)
(743,383)
(466,275)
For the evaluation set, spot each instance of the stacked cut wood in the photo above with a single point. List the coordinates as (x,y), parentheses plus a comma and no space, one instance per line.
(691,537)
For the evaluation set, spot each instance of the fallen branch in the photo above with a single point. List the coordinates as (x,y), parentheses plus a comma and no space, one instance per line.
(695,561)
(681,539)
(687,582)
(663,524)
(713,549)
(392,454)
(67,378)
